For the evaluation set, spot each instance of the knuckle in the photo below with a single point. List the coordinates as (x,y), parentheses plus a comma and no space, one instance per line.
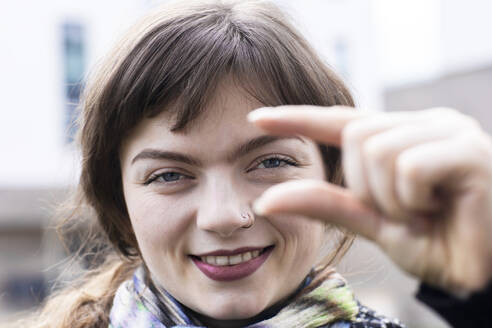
(454,116)
(471,122)
(479,144)
(466,121)
(443,111)
(353,133)
(407,168)
(374,151)
(444,114)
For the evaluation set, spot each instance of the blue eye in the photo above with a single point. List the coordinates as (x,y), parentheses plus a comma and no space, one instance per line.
(275,162)
(271,163)
(170,176)
(166,177)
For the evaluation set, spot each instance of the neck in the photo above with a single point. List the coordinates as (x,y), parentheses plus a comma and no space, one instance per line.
(266,314)
(237,323)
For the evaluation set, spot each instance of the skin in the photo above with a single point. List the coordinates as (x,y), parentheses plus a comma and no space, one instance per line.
(201,210)
(419,186)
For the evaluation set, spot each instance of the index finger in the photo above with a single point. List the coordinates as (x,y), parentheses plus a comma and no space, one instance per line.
(315,122)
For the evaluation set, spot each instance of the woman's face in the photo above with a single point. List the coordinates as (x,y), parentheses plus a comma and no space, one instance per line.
(186,192)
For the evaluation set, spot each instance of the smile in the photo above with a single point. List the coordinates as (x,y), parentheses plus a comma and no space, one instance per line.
(221,266)
(230,260)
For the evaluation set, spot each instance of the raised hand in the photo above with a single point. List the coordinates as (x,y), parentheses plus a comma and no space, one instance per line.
(419,186)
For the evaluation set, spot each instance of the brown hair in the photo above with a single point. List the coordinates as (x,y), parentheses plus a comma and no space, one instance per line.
(177,55)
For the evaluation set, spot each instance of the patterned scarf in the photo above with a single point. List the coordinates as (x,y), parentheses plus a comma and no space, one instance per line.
(323,298)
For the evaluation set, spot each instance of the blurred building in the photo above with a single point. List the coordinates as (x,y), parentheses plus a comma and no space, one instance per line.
(469,90)
(47,49)
(394,54)
(457,67)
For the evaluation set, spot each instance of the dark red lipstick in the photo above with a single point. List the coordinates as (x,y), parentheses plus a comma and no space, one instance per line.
(232,272)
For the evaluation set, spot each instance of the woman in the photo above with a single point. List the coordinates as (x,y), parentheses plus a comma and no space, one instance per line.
(171,167)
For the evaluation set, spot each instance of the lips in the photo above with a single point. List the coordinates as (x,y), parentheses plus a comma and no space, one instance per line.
(232,265)
(231,252)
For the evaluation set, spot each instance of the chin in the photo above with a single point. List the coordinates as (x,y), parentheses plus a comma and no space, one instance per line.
(233,308)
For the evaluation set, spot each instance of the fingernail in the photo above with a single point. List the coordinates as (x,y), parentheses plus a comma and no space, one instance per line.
(259,207)
(259,113)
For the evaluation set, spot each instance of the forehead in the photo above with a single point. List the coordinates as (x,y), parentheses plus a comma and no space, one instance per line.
(222,122)
(226,110)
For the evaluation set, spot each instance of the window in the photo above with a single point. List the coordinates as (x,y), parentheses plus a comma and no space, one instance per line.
(73,38)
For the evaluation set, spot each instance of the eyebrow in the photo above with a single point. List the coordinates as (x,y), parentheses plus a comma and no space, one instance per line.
(242,150)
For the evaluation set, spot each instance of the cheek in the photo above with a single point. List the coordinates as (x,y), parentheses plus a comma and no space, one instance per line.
(158,222)
(303,236)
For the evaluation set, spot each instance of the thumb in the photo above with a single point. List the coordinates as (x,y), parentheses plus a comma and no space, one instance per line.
(320,200)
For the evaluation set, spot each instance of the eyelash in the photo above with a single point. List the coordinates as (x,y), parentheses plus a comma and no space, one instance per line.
(154,177)
(286,160)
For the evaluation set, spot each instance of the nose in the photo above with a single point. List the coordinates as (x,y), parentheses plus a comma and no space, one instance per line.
(220,209)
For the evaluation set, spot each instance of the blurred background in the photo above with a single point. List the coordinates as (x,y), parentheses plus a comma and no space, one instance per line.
(394,55)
